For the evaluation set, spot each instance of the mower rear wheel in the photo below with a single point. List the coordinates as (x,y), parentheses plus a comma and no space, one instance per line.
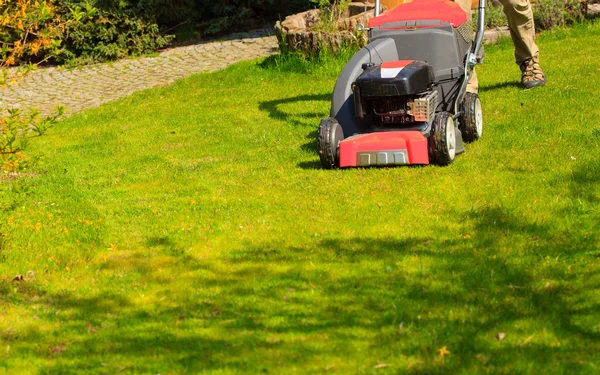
(330,136)
(442,142)
(471,121)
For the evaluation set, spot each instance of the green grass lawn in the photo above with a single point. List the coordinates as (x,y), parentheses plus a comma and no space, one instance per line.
(190,229)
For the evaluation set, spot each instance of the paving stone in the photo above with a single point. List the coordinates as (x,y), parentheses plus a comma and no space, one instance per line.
(90,86)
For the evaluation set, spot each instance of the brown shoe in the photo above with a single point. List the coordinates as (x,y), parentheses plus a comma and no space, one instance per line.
(532,75)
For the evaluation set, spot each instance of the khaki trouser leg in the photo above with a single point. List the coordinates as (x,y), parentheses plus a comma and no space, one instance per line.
(473,84)
(522,29)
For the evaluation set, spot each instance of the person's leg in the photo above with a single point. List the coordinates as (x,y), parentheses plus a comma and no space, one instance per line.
(473,85)
(522,32)
(522,28)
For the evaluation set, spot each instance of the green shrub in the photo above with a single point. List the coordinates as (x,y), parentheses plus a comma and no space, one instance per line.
(546,13)
(232,15)
(167,13)
(66,31)
(15,131)
(494,15)
(551,13)
(96,34)
(100,30)
(331,12)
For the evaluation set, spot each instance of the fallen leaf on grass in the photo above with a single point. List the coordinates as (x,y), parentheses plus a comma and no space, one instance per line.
(527,340)
(444,351)
(500,336)
(58,349)
(90,328)
(381,365)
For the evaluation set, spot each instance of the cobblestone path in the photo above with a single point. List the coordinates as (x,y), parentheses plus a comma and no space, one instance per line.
(93,85)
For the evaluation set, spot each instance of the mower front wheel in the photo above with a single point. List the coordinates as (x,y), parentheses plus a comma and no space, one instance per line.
(442,142)
(471,120)
(330,136)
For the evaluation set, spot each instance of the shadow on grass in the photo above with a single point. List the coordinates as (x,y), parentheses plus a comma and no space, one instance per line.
(499,86)
(304,119)
(586,182)
(273,307)
(310,165)
(272,107)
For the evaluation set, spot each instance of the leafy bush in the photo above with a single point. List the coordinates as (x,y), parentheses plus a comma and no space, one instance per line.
(551,13)
(494,15)
(15,131)
(167,13)
(231,15)
(97,34)
(29,31)
(546,13)
(331,12)
(67,30)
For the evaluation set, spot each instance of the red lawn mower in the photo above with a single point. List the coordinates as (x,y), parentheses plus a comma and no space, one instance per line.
(403,98)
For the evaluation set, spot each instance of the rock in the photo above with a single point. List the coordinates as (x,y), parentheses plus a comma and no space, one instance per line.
(357,8)
(300,32)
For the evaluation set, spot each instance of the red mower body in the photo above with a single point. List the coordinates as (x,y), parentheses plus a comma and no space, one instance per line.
(384,148)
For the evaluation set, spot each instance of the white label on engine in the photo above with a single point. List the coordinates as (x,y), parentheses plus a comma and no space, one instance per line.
(390,72)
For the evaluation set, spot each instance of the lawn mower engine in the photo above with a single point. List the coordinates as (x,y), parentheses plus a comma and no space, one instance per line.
(402,99)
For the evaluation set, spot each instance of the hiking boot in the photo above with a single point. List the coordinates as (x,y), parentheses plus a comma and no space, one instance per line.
(532,75)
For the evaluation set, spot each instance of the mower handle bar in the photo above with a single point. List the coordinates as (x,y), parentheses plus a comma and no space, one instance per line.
(472,57)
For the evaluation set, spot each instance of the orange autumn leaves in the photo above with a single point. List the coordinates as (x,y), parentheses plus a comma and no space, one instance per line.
(27,27)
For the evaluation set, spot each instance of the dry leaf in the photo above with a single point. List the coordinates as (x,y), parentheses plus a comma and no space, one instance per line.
(500,336)
(381,365)
(58,349)
(444,351)
(527,340)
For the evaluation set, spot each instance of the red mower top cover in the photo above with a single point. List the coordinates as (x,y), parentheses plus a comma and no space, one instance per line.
(422,10)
